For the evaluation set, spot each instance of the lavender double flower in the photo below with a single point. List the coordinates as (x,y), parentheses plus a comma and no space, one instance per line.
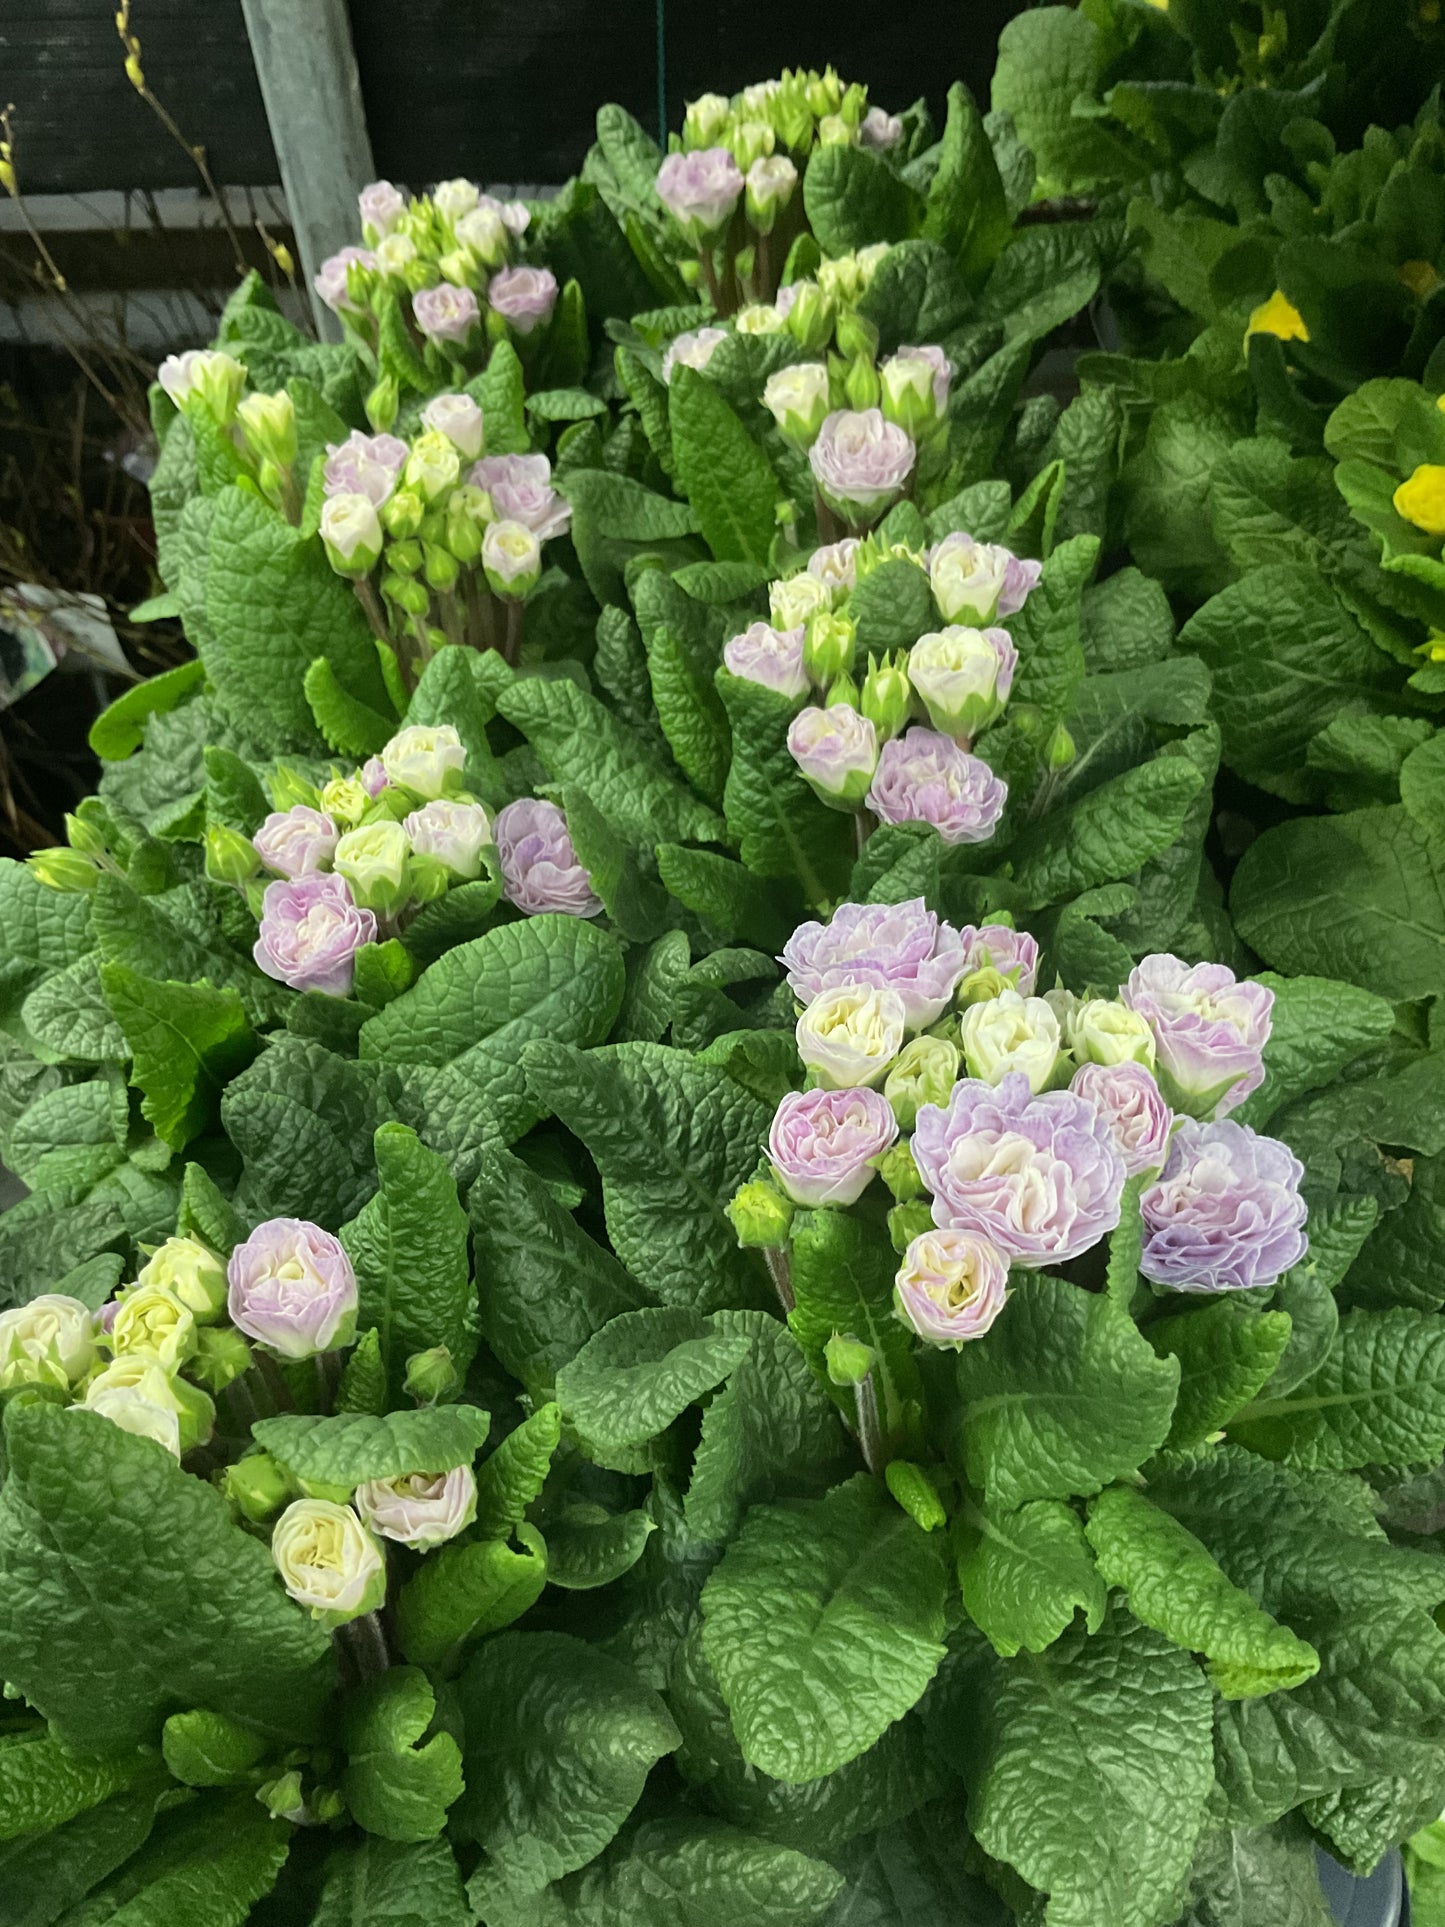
(1209,1029)
(700,191)
(1225,1213)
(1132,1106)
(1037,1176)
(521,490)
(768,656)
(368,465)
(883,946)
(860,463)
(297,842)
(292,1288)
(311,930)
(823,1143)
(446,313)
(523,297)
(925,777)
(540,870)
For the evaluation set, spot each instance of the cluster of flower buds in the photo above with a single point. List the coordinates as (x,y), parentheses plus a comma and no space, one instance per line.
(261,427)
(731,182)
(457,534)
(897,740)
(1006,1124)
(447,258)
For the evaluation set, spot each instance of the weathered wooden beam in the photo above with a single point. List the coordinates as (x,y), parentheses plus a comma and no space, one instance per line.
(307,69)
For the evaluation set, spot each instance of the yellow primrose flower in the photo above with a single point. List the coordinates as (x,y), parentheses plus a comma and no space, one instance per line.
(1278,316)
(1421,499)
(1419,277)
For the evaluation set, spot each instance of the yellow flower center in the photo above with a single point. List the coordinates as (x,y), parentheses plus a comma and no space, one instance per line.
(1278,316)
(1421,499)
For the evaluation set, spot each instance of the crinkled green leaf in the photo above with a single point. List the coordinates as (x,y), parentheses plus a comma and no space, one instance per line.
(1226,1353)
(355,1447)
(780,827)
(385,1883)
(398,1783)
(42,1784)
(186,1043)
(721,469)
(515,1472)
(823,1625)
(1024,1574)
(464,1591)
(643,1369)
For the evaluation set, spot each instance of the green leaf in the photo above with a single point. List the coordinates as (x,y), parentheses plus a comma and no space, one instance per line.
(771,1432)
(1237,1874)
(1023,1574)
(690,1872)
(1109,833)
(779,825)
(67,1014)
(579,1733)
(1377,1399)
(408,1246)
(1175,1586)
(234,795)
(967,212)
(499,392)
(47,1874)
(303,1121)
(1422,784)
(1046,630)
(42,1785)
(1226,1354)
(207,1749)
(728,896)
(125,1587)
(823,1625)
(684,688)
(565,405)
(397,1783)
(386,1883)
(890,608)
(588,1546)
(641,1371)
(545,1286)
(1286,657)
(119,729)
(1318,1026)
(355,1447)
(581,742)
(349,726)
(216,1881)
(516,1471)
(853,198)
(1061,1396)
(1360,897)
(723,471)
(1046,275)
(186,1043)
(477,1007)
(451,690)
(462,1592)
(1088,1770)
(673,1139)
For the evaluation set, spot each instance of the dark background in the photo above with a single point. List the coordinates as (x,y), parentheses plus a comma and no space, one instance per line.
(504,90)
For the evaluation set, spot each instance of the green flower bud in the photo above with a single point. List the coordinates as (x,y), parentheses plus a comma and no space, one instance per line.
(404,557)
(751,140)
(705,120)
(383,404)
(374,861)
(268,427)
(463,530)
(1059,750)
(257,1486)
(402,514)
(810,319)
(924,1072)
(899,1172)
(915,1491)
(328,1803)
(222,1356)
(410,597)
(860,384)
(834,131)
(211,380)
(434,466)
(761,1216)
(441,568)
(196,1411)
(64,870)
(907,1222)
(289,787)
(230,857)
(320,1489)
(887,698)
(282,1797)
(848,1359)
(429,878)
(431,1376)
(86,836)
(827,647)
(842,689)
(351,531)
(345,800)
(857,336)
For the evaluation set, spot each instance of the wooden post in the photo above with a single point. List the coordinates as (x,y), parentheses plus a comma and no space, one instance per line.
(307,70)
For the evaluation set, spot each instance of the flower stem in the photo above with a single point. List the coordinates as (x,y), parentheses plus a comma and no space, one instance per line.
(870,1434)
(781,1273)
(274,1381)
(366,1643)
(512,646)
(366,595)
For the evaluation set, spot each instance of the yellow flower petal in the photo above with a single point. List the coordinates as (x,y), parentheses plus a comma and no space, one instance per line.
(1278,316)
(1421,499)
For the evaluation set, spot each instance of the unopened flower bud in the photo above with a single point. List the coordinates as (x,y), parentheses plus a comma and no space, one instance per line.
(848,1359)
(837,751)
(433,467)
(432,1376)
(351,531)
(410,597)
(834,131)
(459,419)
(373,860)
(383,404)
(795,598)
(907,394)
(230,857)
(268,423)
(925,1072)
(771,182)
(289,788)
(402,514)
(64,870)
(899,1172)
(1059,750)
(857,336)
(797,399)
(915,1491)
(257,1486)
(86,836)
(861,384)
(907,1222)
(512,559)
(760,1215)
(828,644)
(887,696)
(221,1357)
(440,567)
(810,315)
(344,799)
(283,1798)
(204,378)
(191,1272)
(483,233)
